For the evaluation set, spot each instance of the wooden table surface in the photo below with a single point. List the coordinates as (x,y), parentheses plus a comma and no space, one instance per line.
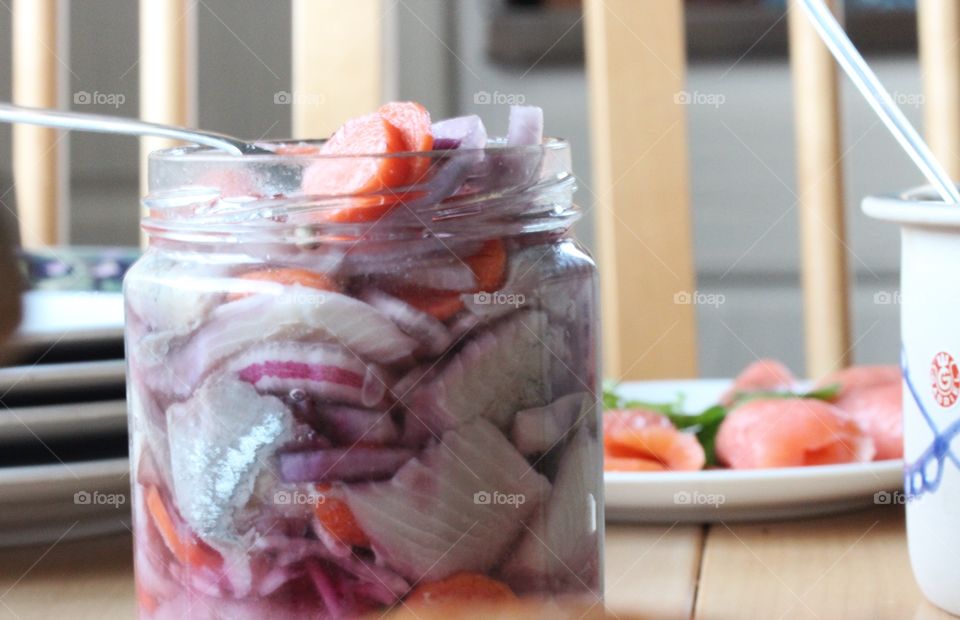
(845,567)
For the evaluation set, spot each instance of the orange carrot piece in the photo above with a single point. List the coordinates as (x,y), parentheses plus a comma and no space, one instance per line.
(626,463)
(489,265)
(413,121)
(361,210)
(439,305)
(335,515)
(461,587)
(347,172)
(288,276)
(187,551)
(146,602)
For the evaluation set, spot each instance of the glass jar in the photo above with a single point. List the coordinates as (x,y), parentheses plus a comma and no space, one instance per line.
(342,402)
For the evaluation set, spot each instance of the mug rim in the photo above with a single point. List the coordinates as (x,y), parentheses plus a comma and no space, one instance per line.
(919,206)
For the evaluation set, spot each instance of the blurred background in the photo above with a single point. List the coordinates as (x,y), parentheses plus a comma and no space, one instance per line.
(479,56)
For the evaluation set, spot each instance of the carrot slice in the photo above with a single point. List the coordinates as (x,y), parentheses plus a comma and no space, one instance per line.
(347,172)
(292,275)
(288,276)
(489,265)
(461,587)
(362,209)
(626,463)
(439,305)
(146,602)
(413,121)
(187,550)
(335,515)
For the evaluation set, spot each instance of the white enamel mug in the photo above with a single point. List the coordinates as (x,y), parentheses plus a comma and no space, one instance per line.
(930,354)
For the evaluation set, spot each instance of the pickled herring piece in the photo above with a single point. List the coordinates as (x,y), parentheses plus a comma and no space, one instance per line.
(498,372)
(165,308)
(559,551)
(294,314)
(215,459)
(457,507)
(541,429)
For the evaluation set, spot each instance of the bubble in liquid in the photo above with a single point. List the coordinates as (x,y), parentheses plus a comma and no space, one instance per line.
(297,395)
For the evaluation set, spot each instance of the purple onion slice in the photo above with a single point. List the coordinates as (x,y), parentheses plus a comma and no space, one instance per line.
(342,464)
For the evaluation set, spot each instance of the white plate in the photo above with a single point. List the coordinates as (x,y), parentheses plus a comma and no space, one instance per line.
(51,317)
(743,495)
(46,503)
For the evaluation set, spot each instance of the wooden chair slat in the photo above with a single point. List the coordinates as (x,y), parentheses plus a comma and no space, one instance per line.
(636,67)
(39,153)
(820,198)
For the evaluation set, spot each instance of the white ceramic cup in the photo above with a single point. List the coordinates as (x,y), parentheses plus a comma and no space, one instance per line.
(930,354)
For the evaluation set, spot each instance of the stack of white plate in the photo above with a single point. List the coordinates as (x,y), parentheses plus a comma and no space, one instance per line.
(63,419)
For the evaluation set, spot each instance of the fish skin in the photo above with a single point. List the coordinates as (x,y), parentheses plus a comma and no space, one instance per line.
(220,442)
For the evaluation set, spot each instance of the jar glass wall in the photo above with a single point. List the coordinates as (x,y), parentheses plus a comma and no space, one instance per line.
(342,402)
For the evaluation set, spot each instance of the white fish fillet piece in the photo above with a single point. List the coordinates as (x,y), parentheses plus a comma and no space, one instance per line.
(498,372)
(178,299)
(543,428)
(450,510)
(560,551)
(220,442)
(296,314)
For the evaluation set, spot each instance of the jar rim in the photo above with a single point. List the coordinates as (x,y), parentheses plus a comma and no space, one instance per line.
(510,188)
(207,154)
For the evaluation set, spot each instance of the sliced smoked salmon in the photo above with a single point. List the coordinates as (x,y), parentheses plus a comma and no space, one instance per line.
(766,375)
(640,439)
(781,432)
(872,395)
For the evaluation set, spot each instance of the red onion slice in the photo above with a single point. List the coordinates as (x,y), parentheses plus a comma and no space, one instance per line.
(445,144)
(346,464)
(349,425)
(297,313)
(323,371)
(433,336)
(525,127)
(467,131)
(326,589)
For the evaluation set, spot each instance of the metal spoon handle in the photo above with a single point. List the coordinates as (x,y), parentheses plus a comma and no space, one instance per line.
(879,99)
(120,125)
